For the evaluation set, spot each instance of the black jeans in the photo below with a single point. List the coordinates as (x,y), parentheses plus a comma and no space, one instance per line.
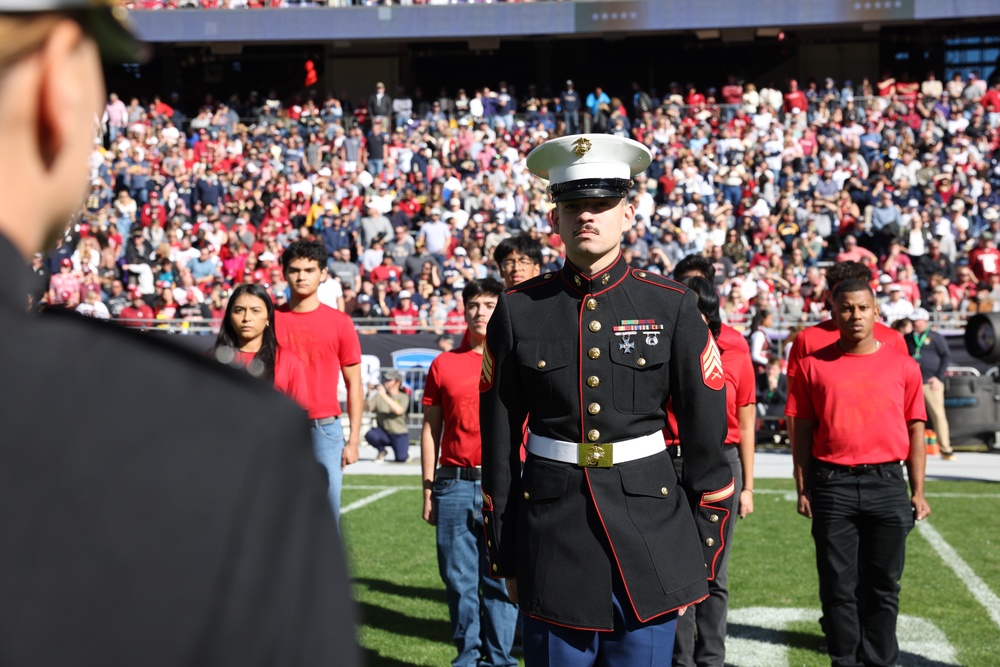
(860,523)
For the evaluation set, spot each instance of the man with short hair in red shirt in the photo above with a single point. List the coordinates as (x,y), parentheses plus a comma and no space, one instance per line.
(453,498)
(137,310)
(859,410)
(327,343)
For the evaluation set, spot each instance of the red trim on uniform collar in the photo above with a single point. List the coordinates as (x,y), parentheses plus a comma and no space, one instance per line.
(594,284)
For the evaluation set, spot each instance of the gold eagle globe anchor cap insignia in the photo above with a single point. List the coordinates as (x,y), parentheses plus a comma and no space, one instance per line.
(586,166)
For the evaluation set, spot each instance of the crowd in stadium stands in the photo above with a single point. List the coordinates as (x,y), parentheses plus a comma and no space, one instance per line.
(411,195)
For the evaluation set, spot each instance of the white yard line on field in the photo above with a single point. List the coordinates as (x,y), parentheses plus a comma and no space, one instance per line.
(379,487)
(367,500)
(976,586)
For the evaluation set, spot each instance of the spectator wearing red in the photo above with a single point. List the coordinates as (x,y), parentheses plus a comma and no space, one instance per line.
(852,252)
(64,287)
(137,309)
(984,260)
(153,210)
(387,270)
(405,315)
(795,100)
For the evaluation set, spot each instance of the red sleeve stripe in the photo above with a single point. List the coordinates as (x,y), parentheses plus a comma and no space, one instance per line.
(721,494)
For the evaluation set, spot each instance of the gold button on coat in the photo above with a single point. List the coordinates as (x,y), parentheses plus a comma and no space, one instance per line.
(494,567)
(640,362)
(641,274)
(594,353)
(595,326)
(527,495)
(714,518)
(486,519)
(710,542)
(594,408)
(591,304)
(664,490)
(593,434)
(489,543)
(541,363)
(593,381)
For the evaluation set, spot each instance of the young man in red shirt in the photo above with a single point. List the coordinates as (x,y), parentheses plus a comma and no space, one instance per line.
(858,406)
(453,497)
(327,343)
(826,332)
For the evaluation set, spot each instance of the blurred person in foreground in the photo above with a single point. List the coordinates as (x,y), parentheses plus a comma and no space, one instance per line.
(136,540)
(589,355)
(859,411)
(481,614)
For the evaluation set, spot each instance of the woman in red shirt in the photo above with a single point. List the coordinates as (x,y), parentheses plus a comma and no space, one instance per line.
(246,339)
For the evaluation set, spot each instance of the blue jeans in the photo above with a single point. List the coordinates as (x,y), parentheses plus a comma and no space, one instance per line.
(328,446)
(464,569)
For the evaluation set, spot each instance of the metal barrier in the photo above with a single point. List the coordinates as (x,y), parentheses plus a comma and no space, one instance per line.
(944,323)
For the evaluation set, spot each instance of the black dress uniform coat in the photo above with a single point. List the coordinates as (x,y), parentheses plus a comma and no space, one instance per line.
(155,509)
(594,359)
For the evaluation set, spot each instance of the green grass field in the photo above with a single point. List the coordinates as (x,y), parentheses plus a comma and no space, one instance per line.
(773,599)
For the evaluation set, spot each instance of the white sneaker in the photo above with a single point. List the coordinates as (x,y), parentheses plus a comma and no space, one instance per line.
(380,457)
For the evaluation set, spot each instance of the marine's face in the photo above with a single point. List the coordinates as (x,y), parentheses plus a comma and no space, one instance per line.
(592,228)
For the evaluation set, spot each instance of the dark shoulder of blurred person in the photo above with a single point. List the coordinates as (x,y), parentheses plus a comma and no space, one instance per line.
(209,538)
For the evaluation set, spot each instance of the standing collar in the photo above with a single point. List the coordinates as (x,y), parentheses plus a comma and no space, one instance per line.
(600,281)
(14,275)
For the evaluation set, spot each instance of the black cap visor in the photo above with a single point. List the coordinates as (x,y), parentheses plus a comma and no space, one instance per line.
(115,40)
(591,188)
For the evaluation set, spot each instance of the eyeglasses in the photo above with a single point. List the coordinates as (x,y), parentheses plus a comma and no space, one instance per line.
(509,264)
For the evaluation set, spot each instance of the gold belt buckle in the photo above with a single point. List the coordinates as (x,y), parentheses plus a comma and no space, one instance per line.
(595,456)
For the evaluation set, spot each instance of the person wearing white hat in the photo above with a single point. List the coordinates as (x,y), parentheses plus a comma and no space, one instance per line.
(897,306)
(599,542)
(932,353)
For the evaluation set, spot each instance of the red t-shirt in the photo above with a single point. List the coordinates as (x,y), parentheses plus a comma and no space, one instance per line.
(453,384)
(289,374)
(325,341)
(812,339)
(741,385)
(984,262)
(860,403)
(405,321)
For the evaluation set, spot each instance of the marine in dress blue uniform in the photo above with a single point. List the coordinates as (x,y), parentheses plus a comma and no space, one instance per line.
(599,543)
